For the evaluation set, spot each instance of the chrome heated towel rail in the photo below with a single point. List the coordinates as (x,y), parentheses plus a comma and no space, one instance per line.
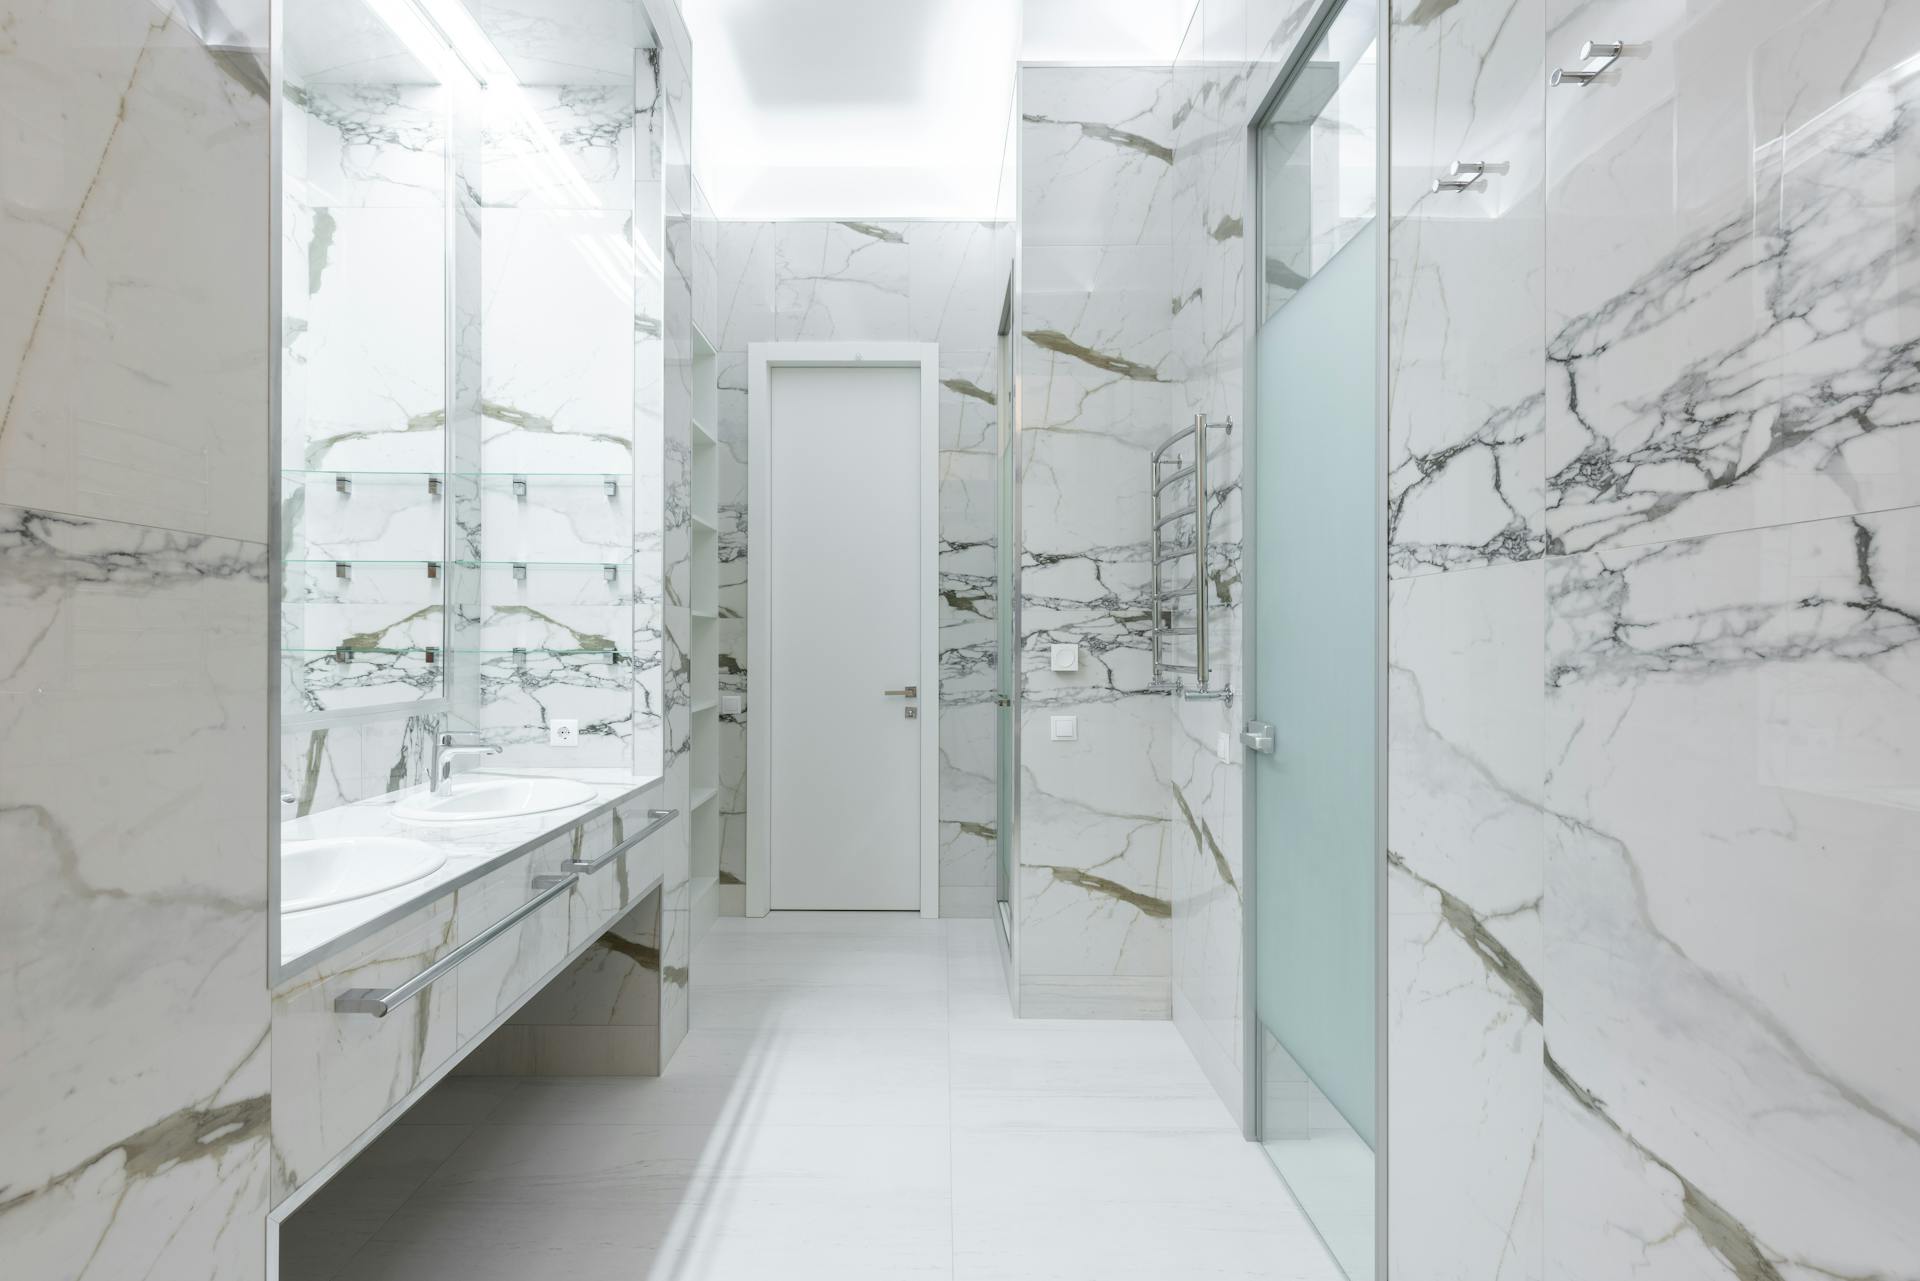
(1180,611)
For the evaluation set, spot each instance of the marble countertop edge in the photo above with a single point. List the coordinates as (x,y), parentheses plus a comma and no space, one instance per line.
(474,849)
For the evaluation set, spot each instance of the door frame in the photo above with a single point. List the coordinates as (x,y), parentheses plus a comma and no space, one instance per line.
(762,359)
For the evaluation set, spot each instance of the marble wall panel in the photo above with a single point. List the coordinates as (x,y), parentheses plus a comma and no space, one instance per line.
(132,382)
(1731,730)
(134,1088)
(1731,227)
(1466,530)
(133,923)
(1096,393)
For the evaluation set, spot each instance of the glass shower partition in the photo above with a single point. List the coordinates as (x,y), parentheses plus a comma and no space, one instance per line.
(1317,552)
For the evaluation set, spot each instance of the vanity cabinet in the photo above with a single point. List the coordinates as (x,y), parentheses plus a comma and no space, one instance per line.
(340,1077)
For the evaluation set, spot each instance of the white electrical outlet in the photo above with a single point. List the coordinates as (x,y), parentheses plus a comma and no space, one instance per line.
(1066,729)
(563,733)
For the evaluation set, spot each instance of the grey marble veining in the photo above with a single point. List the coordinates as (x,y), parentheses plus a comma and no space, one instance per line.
(1097,392)
(131,382)
(1747,360)
(133,926)
(1697,694)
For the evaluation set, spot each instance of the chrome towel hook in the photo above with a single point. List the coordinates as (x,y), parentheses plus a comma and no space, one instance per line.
(1460,176)
(1607,51)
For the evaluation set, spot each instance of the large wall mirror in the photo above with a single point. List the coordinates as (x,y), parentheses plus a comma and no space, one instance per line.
(469,416)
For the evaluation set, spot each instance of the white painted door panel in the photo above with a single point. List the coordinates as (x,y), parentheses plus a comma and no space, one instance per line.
(845,628)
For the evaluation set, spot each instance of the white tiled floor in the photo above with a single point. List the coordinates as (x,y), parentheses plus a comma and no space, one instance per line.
(854,1101)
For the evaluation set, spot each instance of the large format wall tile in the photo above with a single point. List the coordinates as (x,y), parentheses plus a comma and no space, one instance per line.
(1096,393)
(840,280)
(133,713)
(1465,828)
(1733,735)
(131,381)
(1731,226)
(1096,155)
(1466,413)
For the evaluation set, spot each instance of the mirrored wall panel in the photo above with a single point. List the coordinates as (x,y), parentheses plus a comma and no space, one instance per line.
(471,392)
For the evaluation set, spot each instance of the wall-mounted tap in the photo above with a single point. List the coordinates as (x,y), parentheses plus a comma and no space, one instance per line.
(446,752)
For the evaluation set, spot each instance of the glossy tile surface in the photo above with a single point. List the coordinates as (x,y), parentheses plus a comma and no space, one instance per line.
(854,1100)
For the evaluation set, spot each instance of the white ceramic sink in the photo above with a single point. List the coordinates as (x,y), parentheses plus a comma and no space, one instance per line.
(337,869)
(483,796)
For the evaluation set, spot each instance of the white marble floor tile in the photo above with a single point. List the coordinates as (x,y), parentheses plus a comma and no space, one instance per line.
(342,1216)
(854,1100)
(779,1076)
(1043,1074)
(1100,1205)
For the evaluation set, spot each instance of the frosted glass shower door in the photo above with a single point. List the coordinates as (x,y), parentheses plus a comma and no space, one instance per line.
(1317,567)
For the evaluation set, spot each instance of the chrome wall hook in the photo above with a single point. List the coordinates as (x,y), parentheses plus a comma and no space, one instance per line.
(1460,176)
(1608,51)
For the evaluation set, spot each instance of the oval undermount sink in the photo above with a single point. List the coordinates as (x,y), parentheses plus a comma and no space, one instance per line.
(338,869)
(492,796)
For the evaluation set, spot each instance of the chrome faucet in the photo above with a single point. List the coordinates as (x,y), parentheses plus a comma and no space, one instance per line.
(445,753)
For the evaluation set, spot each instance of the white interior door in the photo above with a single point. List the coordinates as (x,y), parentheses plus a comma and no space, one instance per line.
(846,602)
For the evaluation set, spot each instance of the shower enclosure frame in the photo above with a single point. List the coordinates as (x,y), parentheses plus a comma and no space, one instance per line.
(1286,73)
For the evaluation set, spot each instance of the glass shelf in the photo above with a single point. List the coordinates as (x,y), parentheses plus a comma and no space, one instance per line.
(401,651)
(344,478)
(467,475)
(462,564)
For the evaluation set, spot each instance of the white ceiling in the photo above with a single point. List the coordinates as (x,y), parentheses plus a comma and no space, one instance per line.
(884,108)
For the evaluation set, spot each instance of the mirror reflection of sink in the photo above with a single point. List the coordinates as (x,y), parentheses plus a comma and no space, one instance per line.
(337,869)
(484,796)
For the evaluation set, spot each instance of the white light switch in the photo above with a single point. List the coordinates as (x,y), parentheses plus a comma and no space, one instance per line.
(1066,658)
(1223,748)
(1066,729)
(732,704)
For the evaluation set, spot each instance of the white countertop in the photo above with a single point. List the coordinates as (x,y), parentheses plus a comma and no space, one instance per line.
(472,848)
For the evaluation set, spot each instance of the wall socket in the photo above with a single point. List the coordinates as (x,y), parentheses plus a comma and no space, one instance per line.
(563,733)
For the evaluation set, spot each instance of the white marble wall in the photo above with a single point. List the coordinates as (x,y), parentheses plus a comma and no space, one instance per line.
(1731,469)
(133,625)
(1465,716)
(1653,660)
(1097,391)
(940,282)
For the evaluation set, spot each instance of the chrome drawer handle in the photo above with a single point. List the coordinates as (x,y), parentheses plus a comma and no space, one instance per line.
(660,819)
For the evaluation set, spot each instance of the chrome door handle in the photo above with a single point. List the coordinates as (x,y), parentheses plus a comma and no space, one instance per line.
(1257,736)
(911,691)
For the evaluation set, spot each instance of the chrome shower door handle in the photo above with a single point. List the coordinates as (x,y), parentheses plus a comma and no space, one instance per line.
(1257,737)
(911,691)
